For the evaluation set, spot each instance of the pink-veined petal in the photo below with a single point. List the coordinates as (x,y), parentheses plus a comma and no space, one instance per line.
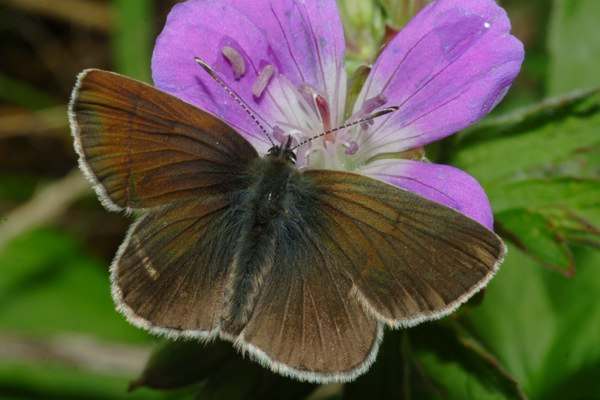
(300,39)
(443,184)
(445,70)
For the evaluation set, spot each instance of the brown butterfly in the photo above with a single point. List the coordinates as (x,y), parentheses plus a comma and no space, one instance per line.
(300,269)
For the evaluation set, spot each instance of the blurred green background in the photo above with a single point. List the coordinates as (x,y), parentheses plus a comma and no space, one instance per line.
(534,333)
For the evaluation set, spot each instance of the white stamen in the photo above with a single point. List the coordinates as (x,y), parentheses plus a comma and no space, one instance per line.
(236,60)
(263,80)
(487,25)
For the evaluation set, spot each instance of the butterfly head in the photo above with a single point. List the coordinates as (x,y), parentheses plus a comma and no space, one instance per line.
(283,152)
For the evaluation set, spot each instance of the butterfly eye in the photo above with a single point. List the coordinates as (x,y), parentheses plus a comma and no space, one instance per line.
(273,151)
(292,157)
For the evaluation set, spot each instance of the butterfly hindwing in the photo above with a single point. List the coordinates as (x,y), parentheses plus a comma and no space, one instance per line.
(143,148)
(410,259)
(305,322)
(169,274)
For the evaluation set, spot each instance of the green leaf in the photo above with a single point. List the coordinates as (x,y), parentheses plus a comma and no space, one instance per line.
(541,170)
(554,109)
(241,379)
(355,85)
(536,235)
(582,384)
(578,229)
(177,364)
(515,153)
(224,374)
(460,366)
(575,351)
(540,194)
(389,377)
(434,361)
(399,12)
(364,28)
(53,381)
(51,289)
(24,94)
(50,286)
(16,188)
(544,328)
(574,45)
(546,217)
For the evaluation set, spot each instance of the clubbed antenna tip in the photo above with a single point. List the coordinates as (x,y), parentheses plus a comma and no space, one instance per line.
(206,67)
(383,112)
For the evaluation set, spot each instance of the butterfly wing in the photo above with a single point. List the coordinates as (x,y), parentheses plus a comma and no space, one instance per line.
(410,259)
(362,253)
(169,274)
(143,148)
(305,324)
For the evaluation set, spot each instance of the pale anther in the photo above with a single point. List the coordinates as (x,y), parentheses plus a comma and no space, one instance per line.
(373,104)
(236,60)
(351,147)
(262,81)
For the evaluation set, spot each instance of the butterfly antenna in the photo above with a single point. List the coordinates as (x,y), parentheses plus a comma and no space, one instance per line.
(238,99)
(368,118)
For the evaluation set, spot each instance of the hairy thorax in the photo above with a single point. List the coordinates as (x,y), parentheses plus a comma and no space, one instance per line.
(273,203)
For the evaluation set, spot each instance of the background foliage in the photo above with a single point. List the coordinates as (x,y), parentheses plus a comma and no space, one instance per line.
(534,333)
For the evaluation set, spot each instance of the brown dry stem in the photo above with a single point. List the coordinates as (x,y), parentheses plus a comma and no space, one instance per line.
(46,205)
(84,13)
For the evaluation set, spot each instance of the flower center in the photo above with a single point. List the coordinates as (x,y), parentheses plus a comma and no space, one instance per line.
(307,113)
(316,122)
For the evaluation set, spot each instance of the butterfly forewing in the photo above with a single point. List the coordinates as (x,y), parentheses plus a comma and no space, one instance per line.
(410,259)
(144,148)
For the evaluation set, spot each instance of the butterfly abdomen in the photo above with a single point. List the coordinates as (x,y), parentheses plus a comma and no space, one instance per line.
(264,208)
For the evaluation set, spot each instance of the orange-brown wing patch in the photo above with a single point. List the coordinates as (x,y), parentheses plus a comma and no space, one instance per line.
(143,148)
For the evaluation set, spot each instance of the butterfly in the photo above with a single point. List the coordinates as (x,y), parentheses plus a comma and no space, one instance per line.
(300,269)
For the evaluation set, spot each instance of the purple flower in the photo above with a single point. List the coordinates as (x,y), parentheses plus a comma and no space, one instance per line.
(445,70)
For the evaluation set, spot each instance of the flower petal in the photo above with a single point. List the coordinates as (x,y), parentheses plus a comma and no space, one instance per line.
(443,184)
(300,39)
(446,69)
